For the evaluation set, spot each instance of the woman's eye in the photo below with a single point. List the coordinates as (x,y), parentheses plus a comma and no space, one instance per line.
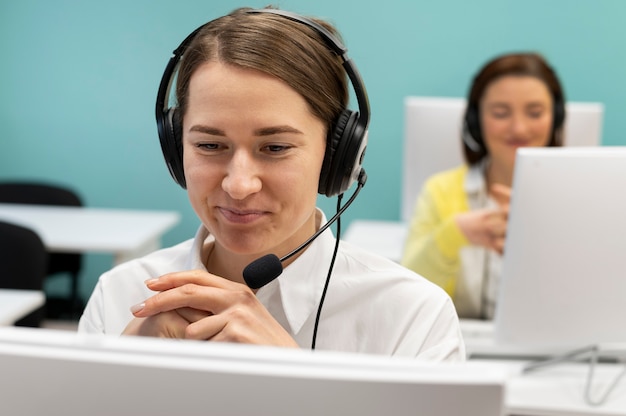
(500,114)
(535,114)
(208,146)
(276,148)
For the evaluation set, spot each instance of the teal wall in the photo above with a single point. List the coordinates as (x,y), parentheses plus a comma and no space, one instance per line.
(78,81)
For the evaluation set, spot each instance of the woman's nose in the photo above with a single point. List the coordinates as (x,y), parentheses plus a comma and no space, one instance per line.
(519,125)
(242,176)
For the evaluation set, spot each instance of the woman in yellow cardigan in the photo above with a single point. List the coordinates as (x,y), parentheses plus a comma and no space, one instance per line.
(457,232)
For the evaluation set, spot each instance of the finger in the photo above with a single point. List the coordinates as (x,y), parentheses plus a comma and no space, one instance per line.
(498,245)
(192,315)
(204,298)
(166,325)
(497,226)
(198,277)
(497,219)
(237,327)
(250,324)
(207,328)
(501,194)
(175,298)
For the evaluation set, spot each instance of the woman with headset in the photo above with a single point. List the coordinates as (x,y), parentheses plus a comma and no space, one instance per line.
(457,232)
(259,129)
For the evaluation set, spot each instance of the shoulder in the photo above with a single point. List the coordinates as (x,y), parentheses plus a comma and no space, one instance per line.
(455,176)
(415,315)
(446,188)
(378,273)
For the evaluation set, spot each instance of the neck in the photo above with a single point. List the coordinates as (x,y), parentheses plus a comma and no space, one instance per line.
(222,263)
(499,174)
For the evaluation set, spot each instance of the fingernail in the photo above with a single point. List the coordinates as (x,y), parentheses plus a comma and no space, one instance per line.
(136,308)
(150,281)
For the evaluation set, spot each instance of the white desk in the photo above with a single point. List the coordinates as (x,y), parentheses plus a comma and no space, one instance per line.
(125,233)
(559,390)
(15,304)
(555,390)
(479,337)
(385,238)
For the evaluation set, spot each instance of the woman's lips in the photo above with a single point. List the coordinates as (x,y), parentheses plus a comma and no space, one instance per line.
(517,143)
(238,216)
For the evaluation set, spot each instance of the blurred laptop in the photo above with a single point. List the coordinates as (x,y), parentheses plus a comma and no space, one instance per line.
(564,273)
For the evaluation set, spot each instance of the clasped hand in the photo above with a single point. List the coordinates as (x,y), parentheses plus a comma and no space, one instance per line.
(199,305)
(486,227)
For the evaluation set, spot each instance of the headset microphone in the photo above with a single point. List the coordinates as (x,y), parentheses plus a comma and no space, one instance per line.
(267,268)
(262,271)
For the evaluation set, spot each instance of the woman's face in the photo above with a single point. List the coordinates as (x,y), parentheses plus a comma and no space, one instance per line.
(253,152)
(515,111)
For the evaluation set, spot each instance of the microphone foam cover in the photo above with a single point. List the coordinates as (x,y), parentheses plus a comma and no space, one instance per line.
(262,271)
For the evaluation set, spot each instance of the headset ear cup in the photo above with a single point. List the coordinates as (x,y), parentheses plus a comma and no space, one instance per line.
(559,114)
(327,174)
(471,130)
(344,155)
(172,146)
(558,120)
(473,125)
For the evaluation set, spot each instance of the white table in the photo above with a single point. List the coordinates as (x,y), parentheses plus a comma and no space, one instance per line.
(559,390)
(124,232)
(554,390)
(15,304)
(385,238)
(480,341)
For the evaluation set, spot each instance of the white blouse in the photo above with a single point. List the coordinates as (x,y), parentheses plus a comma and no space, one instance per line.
(372,305)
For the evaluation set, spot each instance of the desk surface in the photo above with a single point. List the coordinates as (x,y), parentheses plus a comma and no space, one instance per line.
(554,390)
(84,229)
(15,304)
(559,390)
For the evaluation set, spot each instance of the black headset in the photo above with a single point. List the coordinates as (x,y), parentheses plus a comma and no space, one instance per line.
(346,141)
(472,133)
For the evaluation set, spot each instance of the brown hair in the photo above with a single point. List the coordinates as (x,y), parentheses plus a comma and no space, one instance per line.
(522,64)
(285,49)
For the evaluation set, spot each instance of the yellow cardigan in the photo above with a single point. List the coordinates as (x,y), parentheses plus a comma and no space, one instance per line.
(434,240)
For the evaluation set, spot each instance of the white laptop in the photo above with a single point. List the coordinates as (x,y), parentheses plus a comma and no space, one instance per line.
(564,274)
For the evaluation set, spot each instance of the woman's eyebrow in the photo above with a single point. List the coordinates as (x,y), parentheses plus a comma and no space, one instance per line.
(268,131)
(498,104)
(536,104)
(265,131)
(207,130)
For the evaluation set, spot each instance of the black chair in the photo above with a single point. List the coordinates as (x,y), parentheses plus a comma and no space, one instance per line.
(66,263)
(23,264)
